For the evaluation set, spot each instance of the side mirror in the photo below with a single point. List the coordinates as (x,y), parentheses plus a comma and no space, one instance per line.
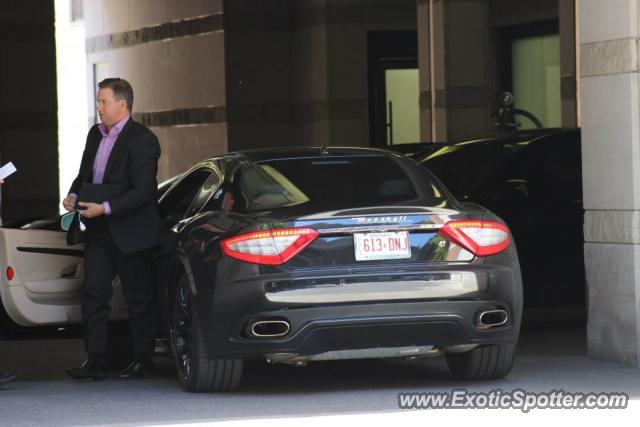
(65,220)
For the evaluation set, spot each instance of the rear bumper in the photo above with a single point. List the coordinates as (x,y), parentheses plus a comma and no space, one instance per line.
(348,309)
(319,330)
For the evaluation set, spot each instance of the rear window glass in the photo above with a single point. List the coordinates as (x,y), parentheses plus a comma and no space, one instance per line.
(334,182)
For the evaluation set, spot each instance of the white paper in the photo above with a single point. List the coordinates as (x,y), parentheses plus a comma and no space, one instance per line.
(7,170)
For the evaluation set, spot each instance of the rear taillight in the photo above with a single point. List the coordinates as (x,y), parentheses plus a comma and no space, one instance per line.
(272,247)
(482,238)
(10,273)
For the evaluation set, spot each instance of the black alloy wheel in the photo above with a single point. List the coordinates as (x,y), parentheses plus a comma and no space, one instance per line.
(197,371)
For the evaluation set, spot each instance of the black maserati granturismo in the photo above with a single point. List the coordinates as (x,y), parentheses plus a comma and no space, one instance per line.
(315,254)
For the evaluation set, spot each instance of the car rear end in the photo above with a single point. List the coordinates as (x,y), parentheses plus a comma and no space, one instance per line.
(367,256)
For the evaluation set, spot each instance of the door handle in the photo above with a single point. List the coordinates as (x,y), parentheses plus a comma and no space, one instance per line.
(390,123)
(70,272)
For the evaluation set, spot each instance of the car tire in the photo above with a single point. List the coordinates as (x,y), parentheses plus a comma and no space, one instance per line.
(196,371)
(487,362)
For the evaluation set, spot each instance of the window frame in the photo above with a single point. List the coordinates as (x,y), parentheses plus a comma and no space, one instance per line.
(208,166)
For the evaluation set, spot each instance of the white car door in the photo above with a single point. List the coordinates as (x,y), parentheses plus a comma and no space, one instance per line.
(41,278)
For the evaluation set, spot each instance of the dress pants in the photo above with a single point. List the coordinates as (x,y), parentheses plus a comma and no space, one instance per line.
(103,260)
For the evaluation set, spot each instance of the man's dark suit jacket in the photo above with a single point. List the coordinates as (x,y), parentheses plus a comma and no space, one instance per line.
(134,222)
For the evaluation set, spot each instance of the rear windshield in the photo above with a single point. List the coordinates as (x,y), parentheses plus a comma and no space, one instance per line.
(335,182)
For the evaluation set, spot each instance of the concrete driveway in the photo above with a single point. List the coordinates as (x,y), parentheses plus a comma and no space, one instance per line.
(43,395)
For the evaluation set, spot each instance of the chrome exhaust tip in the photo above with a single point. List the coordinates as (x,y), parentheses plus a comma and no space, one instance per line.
(268,328)
(491,318)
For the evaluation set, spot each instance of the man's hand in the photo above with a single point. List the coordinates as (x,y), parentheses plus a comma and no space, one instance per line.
(69,203)
(92,209)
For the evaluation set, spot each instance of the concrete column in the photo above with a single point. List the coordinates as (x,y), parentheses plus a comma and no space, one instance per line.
(466,97)
(309,73)
(438,69)
(424,64)
(453,42)
(258,73)
(610,105)
(567,17)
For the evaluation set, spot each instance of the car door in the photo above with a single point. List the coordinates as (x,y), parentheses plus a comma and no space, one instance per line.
(41,276)
(184,199)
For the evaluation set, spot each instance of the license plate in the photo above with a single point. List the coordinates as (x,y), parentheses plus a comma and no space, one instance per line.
(379,246)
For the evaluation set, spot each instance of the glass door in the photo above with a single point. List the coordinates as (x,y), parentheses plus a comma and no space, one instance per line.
(402,94)
(536,79)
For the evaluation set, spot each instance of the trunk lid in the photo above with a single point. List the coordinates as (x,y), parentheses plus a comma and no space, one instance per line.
(376,236)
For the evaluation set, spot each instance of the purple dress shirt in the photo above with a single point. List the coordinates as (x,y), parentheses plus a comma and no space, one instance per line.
(104,150)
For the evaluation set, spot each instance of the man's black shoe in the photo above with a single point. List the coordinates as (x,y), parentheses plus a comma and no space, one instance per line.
(6,377)
(136,370)
(90,370)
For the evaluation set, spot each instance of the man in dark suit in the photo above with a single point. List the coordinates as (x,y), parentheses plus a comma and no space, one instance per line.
(121,232)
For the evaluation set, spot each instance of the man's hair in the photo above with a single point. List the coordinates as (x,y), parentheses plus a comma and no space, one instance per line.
(121,90)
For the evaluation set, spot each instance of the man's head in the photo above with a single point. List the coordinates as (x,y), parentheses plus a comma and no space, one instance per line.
(114,100)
